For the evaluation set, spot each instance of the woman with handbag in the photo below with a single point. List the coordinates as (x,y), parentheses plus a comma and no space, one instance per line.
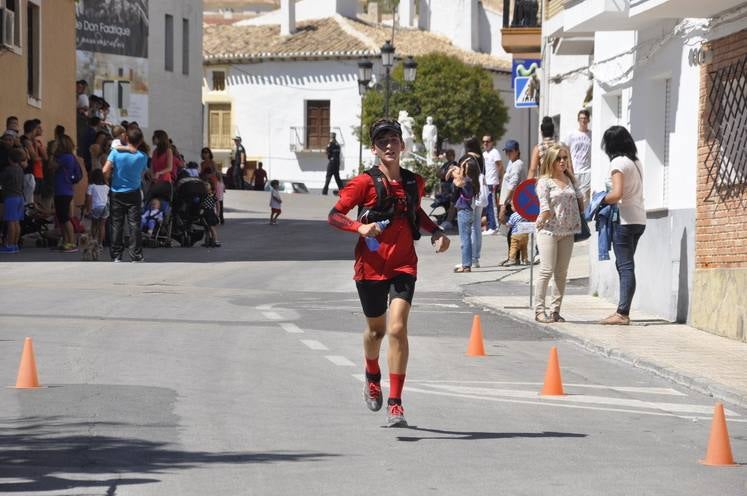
(626,190)
(561,204)
(466,179)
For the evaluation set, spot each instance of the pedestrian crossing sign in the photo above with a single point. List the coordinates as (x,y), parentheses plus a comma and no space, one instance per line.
(526,91)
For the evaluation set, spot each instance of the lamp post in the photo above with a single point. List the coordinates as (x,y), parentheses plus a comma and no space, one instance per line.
(365,69)
(387,60)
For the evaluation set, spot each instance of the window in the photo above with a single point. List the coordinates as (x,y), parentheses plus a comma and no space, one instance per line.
(10,24)
(317,124)
(169,44)
(33,50)
(219,125)
(185,46)
(219,81)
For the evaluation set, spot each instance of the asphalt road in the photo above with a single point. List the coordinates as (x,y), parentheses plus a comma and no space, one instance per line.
(237,371)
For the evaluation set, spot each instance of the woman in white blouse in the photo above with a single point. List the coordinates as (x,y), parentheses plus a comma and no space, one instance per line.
(559,219)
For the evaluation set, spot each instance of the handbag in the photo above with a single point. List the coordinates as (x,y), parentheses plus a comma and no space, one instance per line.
(585,231)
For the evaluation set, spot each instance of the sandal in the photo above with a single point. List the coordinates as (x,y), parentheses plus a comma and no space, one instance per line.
(459,270)
(557,318)
(542,318)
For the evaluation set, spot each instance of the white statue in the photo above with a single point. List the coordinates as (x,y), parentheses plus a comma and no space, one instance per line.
(430,139)
(406,122)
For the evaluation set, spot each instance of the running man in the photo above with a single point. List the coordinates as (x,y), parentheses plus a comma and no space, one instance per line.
(386,274)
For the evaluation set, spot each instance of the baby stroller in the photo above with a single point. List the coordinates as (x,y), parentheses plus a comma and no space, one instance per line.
(35,223)
(161,235)
(186,211)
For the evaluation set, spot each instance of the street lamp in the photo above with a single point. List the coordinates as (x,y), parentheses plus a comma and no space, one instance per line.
(365,69)
(411,68)
(387,60)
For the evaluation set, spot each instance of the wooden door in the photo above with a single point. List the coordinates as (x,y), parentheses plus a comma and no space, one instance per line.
(317,124)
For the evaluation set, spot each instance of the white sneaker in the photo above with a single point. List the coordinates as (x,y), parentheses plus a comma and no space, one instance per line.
(489,232)
(475,264)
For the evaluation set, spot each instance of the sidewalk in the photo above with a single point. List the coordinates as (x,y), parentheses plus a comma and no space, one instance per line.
(690,357)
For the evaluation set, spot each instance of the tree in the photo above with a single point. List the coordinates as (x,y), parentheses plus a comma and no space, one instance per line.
(459,97)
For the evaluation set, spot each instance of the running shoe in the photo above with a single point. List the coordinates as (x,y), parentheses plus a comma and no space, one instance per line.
(395,416)
(69,248)
(372,395)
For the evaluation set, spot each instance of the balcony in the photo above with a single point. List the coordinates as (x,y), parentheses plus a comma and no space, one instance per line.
(677,9)
(522,36)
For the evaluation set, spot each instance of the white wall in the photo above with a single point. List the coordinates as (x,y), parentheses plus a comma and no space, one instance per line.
(269,98)
(174,98)
(489,25)
(457,20)
(307,10)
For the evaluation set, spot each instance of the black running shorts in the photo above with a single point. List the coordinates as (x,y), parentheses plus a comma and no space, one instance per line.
(375,295)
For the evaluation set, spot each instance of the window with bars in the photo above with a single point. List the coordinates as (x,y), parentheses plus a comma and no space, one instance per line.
(219,80)
(725,134)
(33,50)
(219,125)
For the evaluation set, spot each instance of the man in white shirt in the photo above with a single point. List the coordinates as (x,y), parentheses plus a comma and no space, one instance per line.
(579,142)
(493,175)
(516,172)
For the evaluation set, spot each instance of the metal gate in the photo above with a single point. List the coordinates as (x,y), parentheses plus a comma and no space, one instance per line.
(725,135)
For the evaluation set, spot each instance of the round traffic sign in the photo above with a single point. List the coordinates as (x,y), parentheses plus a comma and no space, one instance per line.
(526,202)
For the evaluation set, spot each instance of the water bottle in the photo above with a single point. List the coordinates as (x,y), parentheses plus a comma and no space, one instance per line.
(373,243)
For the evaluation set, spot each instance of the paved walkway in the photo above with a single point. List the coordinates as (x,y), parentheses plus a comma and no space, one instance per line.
(688,356)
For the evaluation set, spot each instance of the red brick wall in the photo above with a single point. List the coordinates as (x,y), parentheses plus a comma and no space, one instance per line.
(721,223)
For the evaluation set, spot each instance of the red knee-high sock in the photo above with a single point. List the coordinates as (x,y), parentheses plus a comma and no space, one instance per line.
(396,382)
(372,366)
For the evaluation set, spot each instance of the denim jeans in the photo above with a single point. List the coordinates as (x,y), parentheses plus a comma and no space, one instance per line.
(476,234)
(492,224)
(127,205)
(624,242)
(464,221)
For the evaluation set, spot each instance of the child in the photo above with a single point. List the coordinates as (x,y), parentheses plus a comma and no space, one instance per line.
(152,216)
(11,180)
(97,205)
(209,205)
(220,191)
(275,201)
(519,242)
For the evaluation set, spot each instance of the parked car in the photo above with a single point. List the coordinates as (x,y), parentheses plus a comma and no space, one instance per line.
(289,187)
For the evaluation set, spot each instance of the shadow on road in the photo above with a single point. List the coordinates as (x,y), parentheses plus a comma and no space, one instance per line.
(36,458)
(476,436)
(243,240)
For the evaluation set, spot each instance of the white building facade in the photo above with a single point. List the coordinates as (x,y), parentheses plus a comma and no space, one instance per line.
(639,57)
(270,92)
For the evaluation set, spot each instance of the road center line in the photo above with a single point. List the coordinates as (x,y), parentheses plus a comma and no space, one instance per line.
(314,345)
(291,328)
(340,361)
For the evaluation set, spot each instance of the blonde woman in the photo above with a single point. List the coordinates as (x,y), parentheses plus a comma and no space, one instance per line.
(559,219)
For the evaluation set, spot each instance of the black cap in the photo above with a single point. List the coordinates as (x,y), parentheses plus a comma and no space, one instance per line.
(385,125)
(82,81)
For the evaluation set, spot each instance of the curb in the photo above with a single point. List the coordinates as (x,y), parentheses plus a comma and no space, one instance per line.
(698,384)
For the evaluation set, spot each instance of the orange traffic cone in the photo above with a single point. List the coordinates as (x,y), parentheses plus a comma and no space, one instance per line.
(719,448)
(553,383)
(475,346)
(27,377)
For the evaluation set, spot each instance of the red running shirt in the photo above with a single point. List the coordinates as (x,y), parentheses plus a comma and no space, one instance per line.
(396,253)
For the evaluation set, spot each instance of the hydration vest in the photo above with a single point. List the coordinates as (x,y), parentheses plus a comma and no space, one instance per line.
(385,204)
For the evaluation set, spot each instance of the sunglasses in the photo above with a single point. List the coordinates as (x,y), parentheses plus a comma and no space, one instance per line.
(384,142)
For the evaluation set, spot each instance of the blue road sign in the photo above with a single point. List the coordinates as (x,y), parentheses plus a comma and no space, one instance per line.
(526,92)
(526,202)
(524,68)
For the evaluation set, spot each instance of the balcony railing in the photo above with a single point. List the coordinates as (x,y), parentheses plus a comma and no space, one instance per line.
(526,14)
